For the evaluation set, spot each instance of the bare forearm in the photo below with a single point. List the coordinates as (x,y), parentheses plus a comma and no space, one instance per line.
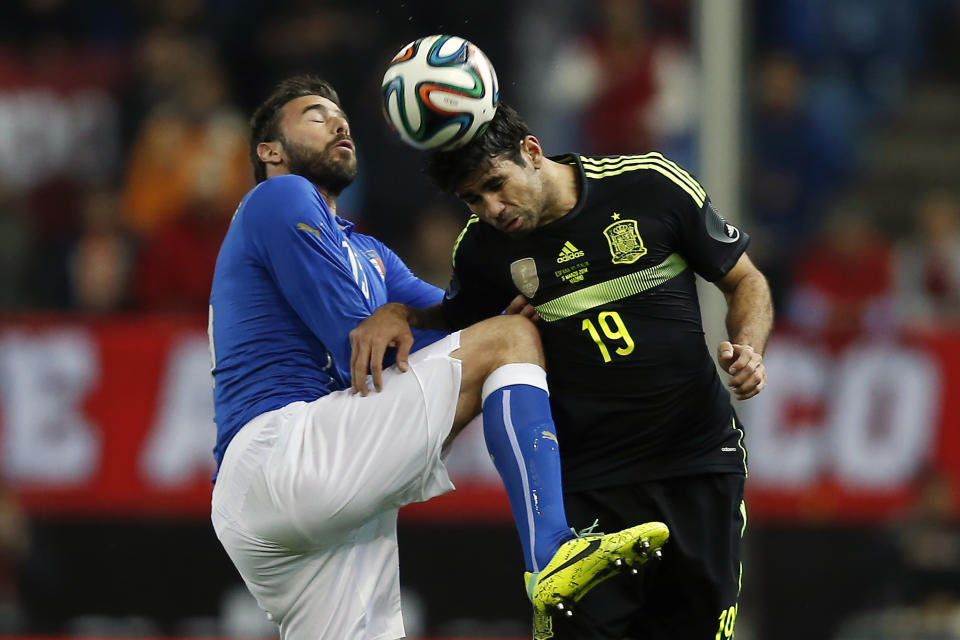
(750,312)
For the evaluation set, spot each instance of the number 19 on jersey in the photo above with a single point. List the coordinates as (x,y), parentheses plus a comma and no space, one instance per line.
(611,324)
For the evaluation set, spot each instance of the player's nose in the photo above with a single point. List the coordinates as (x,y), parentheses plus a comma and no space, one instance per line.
(493,205)
(341,126)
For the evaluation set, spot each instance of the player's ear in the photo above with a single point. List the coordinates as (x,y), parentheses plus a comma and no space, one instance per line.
(270,152)
(532,150)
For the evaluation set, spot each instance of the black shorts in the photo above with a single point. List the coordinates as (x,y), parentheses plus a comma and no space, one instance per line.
(689,595)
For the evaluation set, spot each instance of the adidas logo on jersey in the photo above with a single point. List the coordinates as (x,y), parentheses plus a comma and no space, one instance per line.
(568,253)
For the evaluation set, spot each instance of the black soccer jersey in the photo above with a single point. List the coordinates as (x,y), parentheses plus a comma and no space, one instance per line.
(634,391)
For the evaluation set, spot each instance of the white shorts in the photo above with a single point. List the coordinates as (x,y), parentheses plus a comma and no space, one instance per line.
(306,498)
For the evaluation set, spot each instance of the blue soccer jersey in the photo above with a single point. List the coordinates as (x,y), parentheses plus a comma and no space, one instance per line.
(292,280)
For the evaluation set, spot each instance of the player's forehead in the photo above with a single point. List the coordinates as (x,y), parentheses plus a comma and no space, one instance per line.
(494,169)
(305,106)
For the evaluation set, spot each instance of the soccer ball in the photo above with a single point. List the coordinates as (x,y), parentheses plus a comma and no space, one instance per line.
(440,92)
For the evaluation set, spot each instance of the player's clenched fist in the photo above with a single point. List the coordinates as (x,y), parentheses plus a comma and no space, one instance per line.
(746,368)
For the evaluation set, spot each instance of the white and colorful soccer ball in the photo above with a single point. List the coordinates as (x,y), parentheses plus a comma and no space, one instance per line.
(440,92)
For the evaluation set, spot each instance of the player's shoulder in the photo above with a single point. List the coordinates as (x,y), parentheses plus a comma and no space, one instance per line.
(652,173)
(281,187)
(283,197)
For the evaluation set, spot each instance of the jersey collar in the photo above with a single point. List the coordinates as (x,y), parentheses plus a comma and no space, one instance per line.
(582,182)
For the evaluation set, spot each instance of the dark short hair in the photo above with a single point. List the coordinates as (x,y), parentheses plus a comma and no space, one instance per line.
(451,169)
(265,123)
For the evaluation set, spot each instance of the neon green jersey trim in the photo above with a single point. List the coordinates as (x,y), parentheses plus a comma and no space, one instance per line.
(612,290)
(463,232)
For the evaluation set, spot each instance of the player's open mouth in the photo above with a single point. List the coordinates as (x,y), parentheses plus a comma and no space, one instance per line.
(513,225)
(345,144)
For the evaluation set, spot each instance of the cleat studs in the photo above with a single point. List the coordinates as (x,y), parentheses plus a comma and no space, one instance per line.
(561,606)
(618,562)
(634,571)
(645,544)
(569,613)
(658,554)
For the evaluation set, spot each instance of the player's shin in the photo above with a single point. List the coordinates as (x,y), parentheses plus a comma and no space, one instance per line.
(521,438)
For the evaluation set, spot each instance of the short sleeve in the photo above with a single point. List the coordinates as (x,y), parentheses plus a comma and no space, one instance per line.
(709,243)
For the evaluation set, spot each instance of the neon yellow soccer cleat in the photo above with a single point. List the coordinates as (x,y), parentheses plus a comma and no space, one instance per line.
(584,562)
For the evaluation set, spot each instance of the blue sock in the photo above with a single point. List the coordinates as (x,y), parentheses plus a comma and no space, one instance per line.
(521,438)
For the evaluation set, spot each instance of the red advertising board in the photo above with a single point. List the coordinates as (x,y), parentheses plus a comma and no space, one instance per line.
(114,416)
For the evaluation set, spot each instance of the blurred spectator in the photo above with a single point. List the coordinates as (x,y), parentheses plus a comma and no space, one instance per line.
(54,211)
(791,173)
(634,88)
(100,259)
(195,132)
(175,271)
(869,46)
(928,264)
(59,114)
(843,287)
(61,74)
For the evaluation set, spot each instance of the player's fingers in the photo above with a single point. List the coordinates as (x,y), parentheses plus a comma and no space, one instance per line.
(530,312)
(750,385)
(746,372)
(743,355)
(376,364)
(516,305)
(358,368)
(403,351)
(757,389)
(725,354)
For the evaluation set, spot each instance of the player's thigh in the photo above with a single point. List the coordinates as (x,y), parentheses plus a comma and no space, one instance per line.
(349,457)
(311,473)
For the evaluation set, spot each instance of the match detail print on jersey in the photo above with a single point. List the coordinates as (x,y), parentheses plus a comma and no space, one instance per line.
(612,290)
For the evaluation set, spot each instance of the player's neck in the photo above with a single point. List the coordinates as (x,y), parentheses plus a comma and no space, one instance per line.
(330,199)
(560,184)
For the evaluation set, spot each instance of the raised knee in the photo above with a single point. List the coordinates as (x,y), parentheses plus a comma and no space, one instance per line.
(517,336)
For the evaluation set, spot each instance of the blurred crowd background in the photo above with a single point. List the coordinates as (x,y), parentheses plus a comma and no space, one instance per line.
(123,135)
(123,154)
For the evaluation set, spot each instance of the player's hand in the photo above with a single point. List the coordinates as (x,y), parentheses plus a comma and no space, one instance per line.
(749,375)
(369,340)
(524,308)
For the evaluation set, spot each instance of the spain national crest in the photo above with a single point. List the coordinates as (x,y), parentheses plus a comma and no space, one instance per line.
(524,274)
(626,246)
